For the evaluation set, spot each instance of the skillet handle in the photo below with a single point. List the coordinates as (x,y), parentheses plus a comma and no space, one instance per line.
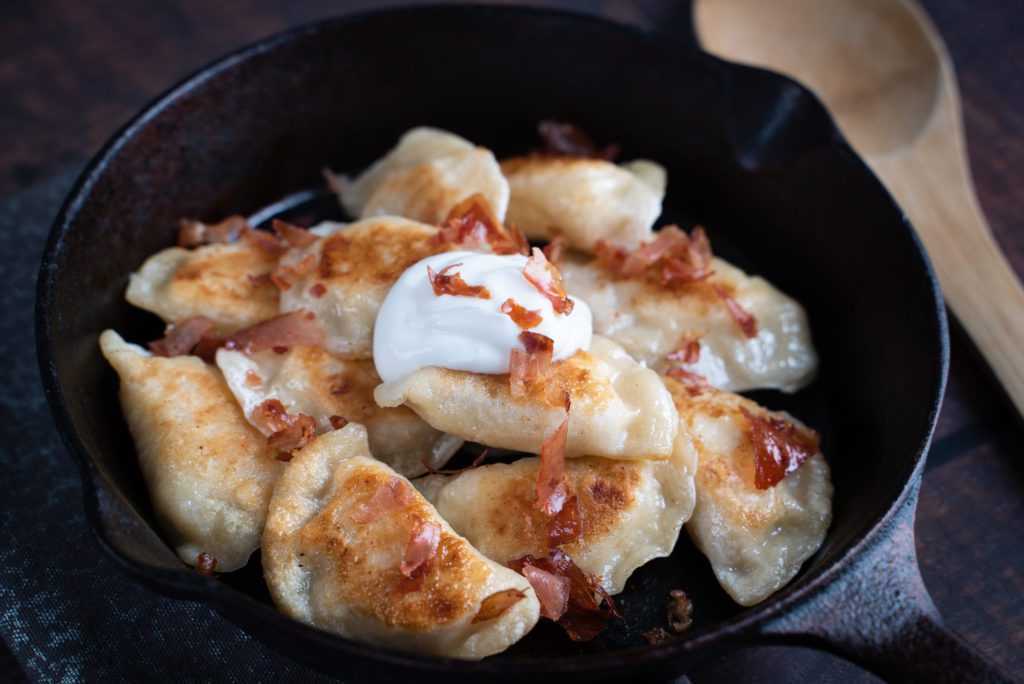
(877,613)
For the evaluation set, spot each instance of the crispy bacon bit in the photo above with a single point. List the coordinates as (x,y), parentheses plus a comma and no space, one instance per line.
(543,275)
(687,377)
(679,610)
(261,239)
(293,234)
(318,290)
(551,488)
(207,347)
(445,284)
(422,547)
(206,564)
(780,447)
(252,379)
(588,607)
(672,258)
(521,316)
(527,368)
(656,636)
(182,338)
(300,432)
(566,526)
(472,223)
(496,604)
(284,273)
(555,250)
(392,496)
(688,349)
(458,471)
(552,591)
(338,422)
(270,416)
(285,330)
(258,279)
(192,233)
(566,139)
(743,318)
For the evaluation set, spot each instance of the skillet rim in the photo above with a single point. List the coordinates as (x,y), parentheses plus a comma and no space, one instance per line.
(237,605)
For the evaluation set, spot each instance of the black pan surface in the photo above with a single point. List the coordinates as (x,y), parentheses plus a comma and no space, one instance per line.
(750,155)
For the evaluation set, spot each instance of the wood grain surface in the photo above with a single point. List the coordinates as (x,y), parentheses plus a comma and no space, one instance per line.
(71,73)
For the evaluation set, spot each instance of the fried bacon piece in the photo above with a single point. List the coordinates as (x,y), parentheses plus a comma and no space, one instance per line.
(295,328)
(337,422)
(453,284)
(552,491)
(588,607)
(555,250)
(206,564)
(688,349)
(566,139)
(288,432)
(567,525)
(393,496)
(183,337)
(527,368)
(743,318)
(679,611)
(521,316)
(552,590)
(456,471)
(472,223)
(422,547)
(192,233)
(496,604)
(293,234)
(780,447)
(270,244)
(672,258)
(318,290)
(283,274)
(543,275)
(694,381)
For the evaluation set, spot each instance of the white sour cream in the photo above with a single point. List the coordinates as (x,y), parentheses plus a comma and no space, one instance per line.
(416,328)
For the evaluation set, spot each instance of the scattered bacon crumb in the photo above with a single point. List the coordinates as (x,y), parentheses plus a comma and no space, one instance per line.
(253,379)
(527,368)
(496,604)
(552,591)
(318,290)
(296,435)
(338,422)
(471,223)
(566,526)
(687,350)
(284,273)
(694,381)
(392,496)
(285,330)
(555,250)
(261,239)
(672,258)
(258,279)
(543,275)
(207,347)
(566,139)
(421,549)
(680,611)
(588,607)
(206,564)
(656,636)
(182,338)
(521,316)
(192,233)
(780,447)
(743,318)
(551,488)
(293,234)
(445,284)
(457,471)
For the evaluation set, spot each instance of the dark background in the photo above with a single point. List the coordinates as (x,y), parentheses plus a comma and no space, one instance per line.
(72,72)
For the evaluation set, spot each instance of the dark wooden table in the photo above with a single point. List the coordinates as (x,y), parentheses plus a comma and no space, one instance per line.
(71,73)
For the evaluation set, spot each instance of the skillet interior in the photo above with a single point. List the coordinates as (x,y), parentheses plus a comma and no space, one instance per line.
(750,155)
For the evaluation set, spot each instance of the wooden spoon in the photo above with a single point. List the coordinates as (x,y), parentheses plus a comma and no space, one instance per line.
(883,71)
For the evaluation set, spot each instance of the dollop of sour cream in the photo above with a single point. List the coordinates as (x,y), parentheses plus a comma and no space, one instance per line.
(416,328)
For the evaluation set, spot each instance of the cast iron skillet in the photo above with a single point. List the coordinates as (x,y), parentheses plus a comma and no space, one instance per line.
(751,155)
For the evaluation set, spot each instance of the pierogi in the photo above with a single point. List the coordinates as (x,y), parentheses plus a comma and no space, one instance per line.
(632,510)
(584,200)
(756,539)
(311,381)
(209,473)
(338,549)
(649,321)
(620,409)
(227,283)
(424,177)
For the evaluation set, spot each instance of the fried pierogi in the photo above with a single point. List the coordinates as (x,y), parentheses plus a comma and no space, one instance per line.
(620,409)
(424,176)
(311,381)
(227,283)
(344,277)
(632,511)
(352,548)
(652,322)
(584,200)
(209,473)
(756,539)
